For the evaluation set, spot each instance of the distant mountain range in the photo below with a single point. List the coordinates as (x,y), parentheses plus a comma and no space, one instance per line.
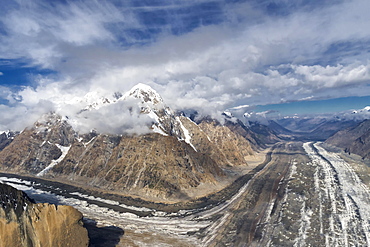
(355,139)
(314,128)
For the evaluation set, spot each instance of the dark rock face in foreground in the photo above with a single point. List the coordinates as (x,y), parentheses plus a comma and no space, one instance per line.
(354,140)
(25,223)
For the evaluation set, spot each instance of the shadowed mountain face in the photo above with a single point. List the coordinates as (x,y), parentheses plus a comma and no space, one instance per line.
(354,140)
(265,134)
(171,161)
(6,138)
(24,223)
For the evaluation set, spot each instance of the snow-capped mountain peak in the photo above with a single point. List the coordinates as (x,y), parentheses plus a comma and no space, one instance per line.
(140,110)
(145,93)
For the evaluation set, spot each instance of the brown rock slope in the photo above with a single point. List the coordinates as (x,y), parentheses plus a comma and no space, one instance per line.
(233,146)
(148,165)
(151,165)
(154,165)
(36,147)
(24,223)
(353,140)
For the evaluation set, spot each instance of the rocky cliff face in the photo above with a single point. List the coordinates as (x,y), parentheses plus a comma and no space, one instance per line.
(24,223)
(234,147)
(353,140)
(37,147)
(176,156)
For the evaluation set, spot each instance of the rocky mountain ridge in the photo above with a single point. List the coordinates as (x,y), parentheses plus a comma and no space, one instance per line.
(174,156)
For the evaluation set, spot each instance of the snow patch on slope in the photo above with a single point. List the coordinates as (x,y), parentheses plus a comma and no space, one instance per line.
(55,162)
(186,133)
(158,130)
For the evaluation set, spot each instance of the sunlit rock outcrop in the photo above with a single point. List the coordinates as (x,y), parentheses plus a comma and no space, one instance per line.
(25,223)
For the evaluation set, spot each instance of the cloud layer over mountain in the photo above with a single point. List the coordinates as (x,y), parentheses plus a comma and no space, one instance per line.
(202,55)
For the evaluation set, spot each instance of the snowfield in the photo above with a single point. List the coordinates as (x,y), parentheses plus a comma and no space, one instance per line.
(53,163)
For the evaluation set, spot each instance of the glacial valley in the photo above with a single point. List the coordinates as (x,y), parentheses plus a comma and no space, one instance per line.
(302,195)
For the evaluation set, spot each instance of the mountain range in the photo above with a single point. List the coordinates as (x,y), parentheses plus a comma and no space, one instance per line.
(355,139)
(158,177)
(169,160)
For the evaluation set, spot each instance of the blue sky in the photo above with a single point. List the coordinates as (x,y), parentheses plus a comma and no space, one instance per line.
(203,55)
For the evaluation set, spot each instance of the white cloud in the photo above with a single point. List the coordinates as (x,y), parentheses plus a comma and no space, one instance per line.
(259,60)
(4,92)
(334,76)
(21,116)
(123,117)
(1,73)
(44,32)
